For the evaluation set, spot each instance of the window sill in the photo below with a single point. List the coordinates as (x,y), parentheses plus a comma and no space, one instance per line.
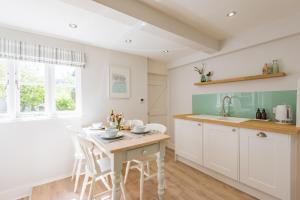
(38,118)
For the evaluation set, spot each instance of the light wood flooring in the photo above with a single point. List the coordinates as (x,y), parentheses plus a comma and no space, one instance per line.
(25,198)
(183,183)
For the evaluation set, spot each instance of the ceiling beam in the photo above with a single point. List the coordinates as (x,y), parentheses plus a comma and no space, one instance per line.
(184,33)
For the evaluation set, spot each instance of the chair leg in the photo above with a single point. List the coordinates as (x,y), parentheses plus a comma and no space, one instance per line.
(74,169)
(148,168)
(77,174)
(127,171)
(91,191)
(85,182)
(123,189)
(142,181)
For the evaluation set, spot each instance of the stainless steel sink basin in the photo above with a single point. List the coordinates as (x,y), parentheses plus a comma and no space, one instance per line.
(220,118)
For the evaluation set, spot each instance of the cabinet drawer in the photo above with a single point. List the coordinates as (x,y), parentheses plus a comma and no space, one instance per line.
(143,151)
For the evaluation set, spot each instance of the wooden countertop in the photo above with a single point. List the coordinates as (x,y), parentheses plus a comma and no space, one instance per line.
(251,124)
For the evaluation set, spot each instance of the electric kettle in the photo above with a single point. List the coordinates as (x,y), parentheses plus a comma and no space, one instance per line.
(283,114)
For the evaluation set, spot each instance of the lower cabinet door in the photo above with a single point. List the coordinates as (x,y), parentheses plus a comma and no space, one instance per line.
(221,149)
(265,162)
(188,140)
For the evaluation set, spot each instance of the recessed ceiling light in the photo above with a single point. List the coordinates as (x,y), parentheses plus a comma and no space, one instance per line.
(231,14)
(73,25)
(165,51)
(128,41)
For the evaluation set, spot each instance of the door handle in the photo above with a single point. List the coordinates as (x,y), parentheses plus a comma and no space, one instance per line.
(261,134)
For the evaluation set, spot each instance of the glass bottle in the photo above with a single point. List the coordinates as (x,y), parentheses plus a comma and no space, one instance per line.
(275,66)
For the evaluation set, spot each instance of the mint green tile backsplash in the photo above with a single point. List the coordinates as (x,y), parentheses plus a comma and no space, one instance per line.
(244,104)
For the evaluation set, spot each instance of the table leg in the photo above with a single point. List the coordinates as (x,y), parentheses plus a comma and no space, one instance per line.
(161,171)
(116,167)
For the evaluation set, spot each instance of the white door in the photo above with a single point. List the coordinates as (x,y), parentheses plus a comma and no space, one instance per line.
(157,95)
(265,162)
(189,140)
(221,147)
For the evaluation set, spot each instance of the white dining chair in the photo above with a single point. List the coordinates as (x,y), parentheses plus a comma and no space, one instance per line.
(78,154)
(143,162)
(79,158)
(97,170)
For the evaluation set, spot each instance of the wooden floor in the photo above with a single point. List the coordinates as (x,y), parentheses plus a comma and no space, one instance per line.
(183,183)
(25,198)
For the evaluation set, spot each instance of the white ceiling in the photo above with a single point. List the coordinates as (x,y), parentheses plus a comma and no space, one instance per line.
(209,15)
(104,27)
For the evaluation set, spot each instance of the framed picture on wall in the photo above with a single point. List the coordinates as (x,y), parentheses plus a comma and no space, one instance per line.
(119,82)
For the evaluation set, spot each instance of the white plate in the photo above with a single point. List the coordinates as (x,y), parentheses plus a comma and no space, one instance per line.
(143,132)
(93,128)
(105,137)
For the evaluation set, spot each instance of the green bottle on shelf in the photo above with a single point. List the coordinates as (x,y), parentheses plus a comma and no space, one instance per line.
(275,66)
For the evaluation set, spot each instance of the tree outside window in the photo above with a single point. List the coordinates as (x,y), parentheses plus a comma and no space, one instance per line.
(32,87)
(65,88)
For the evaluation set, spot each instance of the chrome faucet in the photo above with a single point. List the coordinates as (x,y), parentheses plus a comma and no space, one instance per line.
(223,112)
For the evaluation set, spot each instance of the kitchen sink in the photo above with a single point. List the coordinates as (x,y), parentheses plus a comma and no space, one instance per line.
(220,118)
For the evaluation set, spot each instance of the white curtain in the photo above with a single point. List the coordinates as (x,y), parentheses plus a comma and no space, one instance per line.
(37,53)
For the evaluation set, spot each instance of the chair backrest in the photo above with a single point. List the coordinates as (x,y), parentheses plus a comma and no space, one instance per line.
(157,127)
(136,122)
(87,147)
(73,132)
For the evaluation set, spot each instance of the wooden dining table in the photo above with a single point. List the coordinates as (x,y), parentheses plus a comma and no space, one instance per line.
(132,146)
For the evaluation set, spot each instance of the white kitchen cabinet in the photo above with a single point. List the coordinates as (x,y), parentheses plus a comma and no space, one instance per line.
(265,162)
(188,140)
(221,149)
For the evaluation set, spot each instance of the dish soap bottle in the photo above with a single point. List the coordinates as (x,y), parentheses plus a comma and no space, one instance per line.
(258,114)
(263,114)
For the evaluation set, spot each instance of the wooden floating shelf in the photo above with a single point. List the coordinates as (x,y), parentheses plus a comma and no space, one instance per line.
(243,78)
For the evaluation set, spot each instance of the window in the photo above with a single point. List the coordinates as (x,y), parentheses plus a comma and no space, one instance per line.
(3,87)
(65,88)
(31,89)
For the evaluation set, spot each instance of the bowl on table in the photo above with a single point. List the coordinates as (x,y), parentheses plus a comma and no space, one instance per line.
(139,129)
(111,132)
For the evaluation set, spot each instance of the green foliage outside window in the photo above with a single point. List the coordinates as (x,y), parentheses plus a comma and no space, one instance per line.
(32,98)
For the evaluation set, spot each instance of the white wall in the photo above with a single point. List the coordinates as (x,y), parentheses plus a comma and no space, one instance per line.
(33,152)
(244,62)
(157,67)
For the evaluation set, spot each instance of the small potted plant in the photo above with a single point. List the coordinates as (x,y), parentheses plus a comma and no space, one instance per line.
(201,73)
(208,76)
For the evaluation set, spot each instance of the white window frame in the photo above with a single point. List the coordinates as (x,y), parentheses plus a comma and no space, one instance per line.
(8,79)
(13,93)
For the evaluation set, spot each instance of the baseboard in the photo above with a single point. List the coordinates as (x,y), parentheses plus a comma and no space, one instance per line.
(25,190)
(171,146)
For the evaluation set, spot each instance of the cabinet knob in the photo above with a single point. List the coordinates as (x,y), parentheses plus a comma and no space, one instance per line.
(199,124)
(261,134)
(233,130)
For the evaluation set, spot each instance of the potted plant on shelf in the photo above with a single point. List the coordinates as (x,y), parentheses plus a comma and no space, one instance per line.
(201,73)
(208,76)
